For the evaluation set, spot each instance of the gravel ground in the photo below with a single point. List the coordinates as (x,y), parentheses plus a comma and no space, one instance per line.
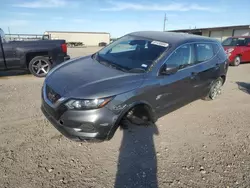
(203,144)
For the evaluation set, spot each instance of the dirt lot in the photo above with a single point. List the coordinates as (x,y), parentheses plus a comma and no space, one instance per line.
(204,144)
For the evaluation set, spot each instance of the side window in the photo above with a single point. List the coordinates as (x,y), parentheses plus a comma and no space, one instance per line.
(242,42)
(248,41)
(183,56)
(204,52)
(227,42)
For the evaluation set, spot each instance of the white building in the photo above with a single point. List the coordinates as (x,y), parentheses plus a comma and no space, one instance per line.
(219,33)
(87,38)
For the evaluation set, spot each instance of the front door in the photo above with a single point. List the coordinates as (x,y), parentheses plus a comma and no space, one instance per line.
(176,88)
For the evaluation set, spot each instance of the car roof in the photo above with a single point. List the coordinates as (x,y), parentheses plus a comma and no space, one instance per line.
(173,38)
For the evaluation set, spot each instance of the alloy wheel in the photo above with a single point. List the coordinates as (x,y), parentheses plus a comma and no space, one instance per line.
(237,61)
(40,67)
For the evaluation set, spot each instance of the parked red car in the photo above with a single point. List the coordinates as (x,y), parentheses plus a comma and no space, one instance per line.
(237,49)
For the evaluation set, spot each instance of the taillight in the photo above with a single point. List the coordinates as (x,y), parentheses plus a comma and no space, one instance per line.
(64,48)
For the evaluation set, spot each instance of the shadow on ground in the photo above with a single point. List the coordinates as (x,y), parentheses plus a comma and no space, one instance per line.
(243,86)
(137,164)
(13,73)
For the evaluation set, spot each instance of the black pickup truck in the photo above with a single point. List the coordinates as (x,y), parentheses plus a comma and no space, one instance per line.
(36,56)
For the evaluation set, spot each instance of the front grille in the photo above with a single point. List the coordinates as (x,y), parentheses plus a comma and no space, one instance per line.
(56,113)
(51,95)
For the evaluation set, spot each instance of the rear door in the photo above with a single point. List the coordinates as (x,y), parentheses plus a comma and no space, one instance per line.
(243,49)
(248,50)
(206,69)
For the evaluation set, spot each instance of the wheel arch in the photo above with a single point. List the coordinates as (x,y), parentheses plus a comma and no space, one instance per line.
(31,55)
(223,78)
(147,107)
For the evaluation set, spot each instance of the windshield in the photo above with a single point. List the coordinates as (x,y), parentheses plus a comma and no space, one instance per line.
(234,42)
(131,53)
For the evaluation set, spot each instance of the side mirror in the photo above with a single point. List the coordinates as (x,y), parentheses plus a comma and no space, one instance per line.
(169,69)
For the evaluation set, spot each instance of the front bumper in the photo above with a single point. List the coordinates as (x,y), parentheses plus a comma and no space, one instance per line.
(80,125)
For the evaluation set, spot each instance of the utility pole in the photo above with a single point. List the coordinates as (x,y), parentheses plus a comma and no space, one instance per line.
(164,22)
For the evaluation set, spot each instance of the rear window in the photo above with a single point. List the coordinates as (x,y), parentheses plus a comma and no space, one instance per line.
(204,52)
(235,42)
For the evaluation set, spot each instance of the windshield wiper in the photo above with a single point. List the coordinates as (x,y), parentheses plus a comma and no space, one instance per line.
(110,64)
(118,67)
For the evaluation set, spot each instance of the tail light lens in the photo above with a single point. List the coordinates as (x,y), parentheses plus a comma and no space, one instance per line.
(64,48)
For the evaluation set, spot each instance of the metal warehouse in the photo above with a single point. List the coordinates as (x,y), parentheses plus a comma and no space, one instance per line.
(87,38)
(220,33)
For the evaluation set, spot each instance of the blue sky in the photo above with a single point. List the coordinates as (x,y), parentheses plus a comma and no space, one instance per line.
(119,16)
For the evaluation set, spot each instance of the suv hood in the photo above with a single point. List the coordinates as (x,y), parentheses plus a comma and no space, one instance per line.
(85,78)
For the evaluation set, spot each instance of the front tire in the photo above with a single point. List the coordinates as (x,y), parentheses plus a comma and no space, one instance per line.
(215,90)
(236,61)
(39,66)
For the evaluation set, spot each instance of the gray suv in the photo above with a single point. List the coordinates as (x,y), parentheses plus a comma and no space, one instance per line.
(134,80)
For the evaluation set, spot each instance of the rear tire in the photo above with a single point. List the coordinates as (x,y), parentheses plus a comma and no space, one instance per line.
(236,61)
(215,90)
(39,66)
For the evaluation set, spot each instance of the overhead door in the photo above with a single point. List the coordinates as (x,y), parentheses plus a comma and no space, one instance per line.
(242,32)
(216,35)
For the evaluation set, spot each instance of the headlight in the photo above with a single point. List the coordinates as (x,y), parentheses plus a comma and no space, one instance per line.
(87,104)
(230,50)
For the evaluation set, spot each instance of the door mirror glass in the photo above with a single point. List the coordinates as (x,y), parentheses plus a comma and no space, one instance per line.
(169,69)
